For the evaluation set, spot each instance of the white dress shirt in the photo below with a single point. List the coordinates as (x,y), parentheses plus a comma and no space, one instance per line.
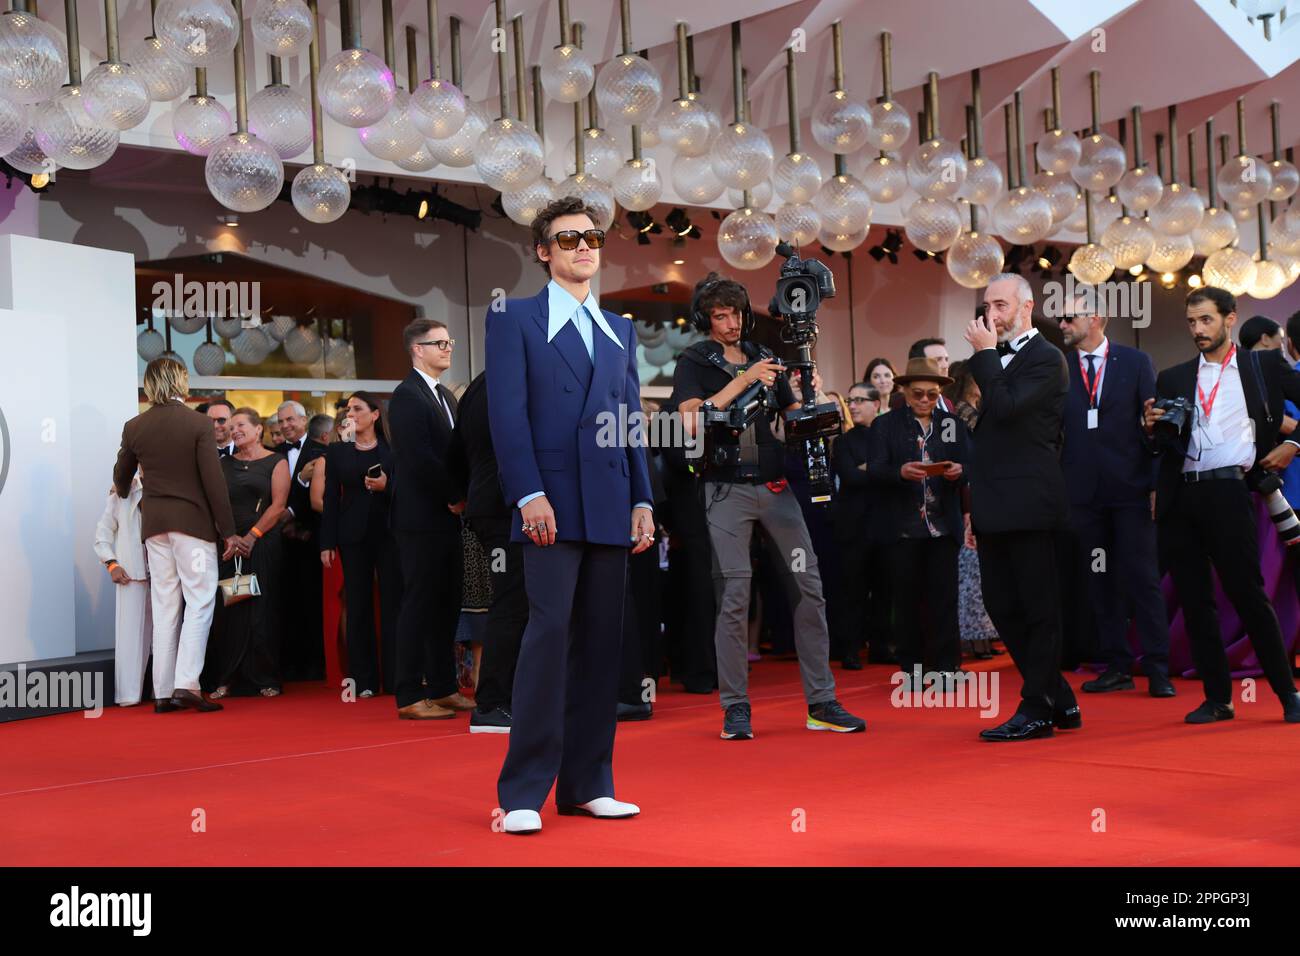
(1099,364)
(433,387)
(563,308)
(1228,437)
(117,535)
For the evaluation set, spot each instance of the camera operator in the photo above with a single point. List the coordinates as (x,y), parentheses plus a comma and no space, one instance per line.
(719,370)
(1224,408)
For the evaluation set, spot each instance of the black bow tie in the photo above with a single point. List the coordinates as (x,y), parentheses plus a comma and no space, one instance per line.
(1006,348)
(298,444)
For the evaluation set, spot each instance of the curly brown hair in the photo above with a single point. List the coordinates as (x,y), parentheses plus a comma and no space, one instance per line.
(541,226)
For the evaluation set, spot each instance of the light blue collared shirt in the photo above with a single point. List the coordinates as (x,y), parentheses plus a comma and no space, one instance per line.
(562,308)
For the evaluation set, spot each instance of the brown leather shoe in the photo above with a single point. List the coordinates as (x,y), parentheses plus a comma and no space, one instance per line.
(456,701)
(187,698)
(424,710)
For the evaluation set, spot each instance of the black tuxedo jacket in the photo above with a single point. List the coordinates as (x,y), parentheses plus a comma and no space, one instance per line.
(420,434)
(349,506)
(853,499)
(300,497)
(1110,464)
(1015,475)
(472,459)
(1280,383)
(893,444)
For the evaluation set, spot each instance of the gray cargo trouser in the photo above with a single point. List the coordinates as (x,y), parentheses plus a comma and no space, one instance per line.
(732,511)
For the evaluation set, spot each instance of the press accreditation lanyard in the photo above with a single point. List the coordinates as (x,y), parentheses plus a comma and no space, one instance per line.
(1207,404)
(1096,380)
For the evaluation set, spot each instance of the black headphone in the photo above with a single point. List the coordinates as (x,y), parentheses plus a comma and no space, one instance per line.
(703,323)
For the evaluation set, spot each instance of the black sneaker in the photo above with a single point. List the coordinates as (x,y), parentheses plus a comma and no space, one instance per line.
(829,715)
(1209,712)
(495,721)
(735,725)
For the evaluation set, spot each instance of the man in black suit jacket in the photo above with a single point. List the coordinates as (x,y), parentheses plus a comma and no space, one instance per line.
(425,516)
(302,648)
(473,464)
(1110,478)
(1018,500)
(1203,503)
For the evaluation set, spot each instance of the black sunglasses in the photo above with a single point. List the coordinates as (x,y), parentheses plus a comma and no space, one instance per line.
(568,239)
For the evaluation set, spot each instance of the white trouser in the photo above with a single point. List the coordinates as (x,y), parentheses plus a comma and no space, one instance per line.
(131,649)
(182,572)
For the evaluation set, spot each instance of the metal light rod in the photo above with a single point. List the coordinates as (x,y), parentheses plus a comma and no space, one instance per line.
(1137,137)
(431,12)
(1056,98)
(241,94)
(539,123)
(886,67)
(737,80)
(412,60)
(521,81)
(313,60)
(1094,84)
(110,31)
(1020,141)
(1211,187)
(977,148)
(74,42)
(683,75)
(792,99)
(503,80)
(454,25)
(837,51)
(390,46)
(1173,143)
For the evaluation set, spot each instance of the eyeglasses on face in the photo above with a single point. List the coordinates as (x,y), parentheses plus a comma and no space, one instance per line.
(858,399)
(443,344)
(567,239)
(919,393)
(1067,319)
(221,421)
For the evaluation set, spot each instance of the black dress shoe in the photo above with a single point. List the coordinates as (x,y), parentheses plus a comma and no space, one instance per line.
(1291,708)
(1158,685)
(1108,681)
(1070,719)
(1209,712)
(164,707)
(187,698)
(634,711)
(1019,727)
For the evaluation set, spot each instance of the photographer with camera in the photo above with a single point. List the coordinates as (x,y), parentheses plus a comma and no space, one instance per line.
(744,485)
(1212,418)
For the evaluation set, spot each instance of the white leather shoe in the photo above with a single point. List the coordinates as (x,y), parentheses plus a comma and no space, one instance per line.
(522,821)
(606,808)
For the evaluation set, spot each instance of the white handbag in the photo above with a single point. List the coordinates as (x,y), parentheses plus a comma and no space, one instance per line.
(240,587)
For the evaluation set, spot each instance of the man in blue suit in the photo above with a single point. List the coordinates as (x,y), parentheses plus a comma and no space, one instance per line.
(1110,479)
(562,386)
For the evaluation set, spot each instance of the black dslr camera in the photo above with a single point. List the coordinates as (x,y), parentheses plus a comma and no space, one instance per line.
(800,289)
(727,424)
(1178,413)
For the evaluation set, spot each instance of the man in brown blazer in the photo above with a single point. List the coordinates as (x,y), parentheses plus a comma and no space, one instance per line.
(185,511)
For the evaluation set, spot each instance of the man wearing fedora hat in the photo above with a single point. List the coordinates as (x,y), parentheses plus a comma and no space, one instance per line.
(916,464)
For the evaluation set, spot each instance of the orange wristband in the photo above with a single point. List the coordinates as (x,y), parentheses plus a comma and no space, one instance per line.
(112,565)
(256,533)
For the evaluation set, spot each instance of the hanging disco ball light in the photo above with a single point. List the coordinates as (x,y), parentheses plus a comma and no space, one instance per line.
(321,193)
(973,259)
(689,127)
(1229,269)
(984,183)
(1291,263)
(885,179)
(165,77)
(628,90)
(840,124)
(356,88)
(797,177)
(15,120)
(1179,211)
(509,154)
(1244,181)
(1270,279)
(1101,162)
(1060,192)
(1286,179)
(1140,188)
(1023,216)
(747,238)
(567,73)
(396,135)
(1170,253)
(209,359)
(1091,264)
(33,61)
(283,28)
(281,118)
(198,33)
(1105,210)
(115,95)
(937,170)
(419,161)
(302,345)
(842,241)
(279,327)
(1058,151)
(252,346)
(798,223)
(244,173)
(638,186)
(1243,214)
(458,148)
(199,123)
(932,224)
(28,157)
(1130,241)
(742,156)
(150,344)
(596,193)
(187,324)
(1217,230)
(890,126)
(760,197)
(228,327)
(69,135)
(439,109)
(694,180)
(844,205)
(601,155)
(526,204)
(1284,235)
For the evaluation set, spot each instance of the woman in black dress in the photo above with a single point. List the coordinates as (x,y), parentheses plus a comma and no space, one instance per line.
(246,658)
(354,528)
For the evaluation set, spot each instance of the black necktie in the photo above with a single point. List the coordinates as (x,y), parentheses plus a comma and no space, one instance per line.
(1092,374)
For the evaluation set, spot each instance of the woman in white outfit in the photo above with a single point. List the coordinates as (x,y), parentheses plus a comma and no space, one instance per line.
(119,546)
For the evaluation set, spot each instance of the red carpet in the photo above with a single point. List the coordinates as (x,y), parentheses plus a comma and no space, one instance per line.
(306,779)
